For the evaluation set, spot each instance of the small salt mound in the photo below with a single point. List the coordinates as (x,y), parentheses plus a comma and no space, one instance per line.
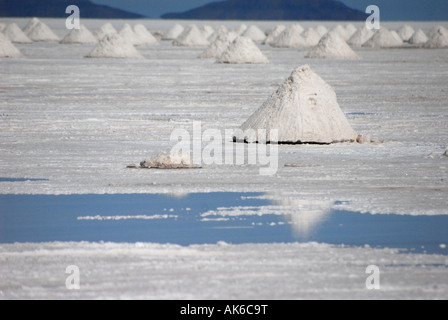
(360,37)
(41,32)
(207,31)
(104,30)
(340,30)
(311,37)
(241,28)
(114,46)
(350,30)
(321,30)
(129,35)
(172,161)
(304,110)
(243,50)
(419,37)
(438,38)
(219,46)
(382,39)
(144,35)
(332,46)
(81,36)
(254,33)
(173,32)
(218,32)
(396,36)
(7,49)
(30,25)
(15,34)
(274,34)
(290,38)
(406,32)
(191,37)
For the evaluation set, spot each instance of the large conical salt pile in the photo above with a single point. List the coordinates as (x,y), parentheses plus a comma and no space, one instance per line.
(129,35)
(15,34)
(191,37)
(360,37)
(41,32)
(311,37)
(290,38)
(219,46)
(274,34)
(332,46)
(419,37)
(7,49)
(254,33)
(104,30)
(144,35)
(243,50)
(303,110)
(173,32)
(80,36)
(438,38)
(114,46)
(406,32)
(382,39)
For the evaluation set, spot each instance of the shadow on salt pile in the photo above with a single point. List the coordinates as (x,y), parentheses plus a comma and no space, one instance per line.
(207,218)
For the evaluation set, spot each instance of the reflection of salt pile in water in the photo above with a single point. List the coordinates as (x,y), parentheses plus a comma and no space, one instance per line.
(144,35)
(7,49)
(438,38)
(254,33)
(305,215)
(290,38)
(191,37)
(406,32)
(419,37)
(219,46)
(41,32)
(360,37)
(382,39)
(243,50)
(274,34)
(172,161)
(303,110)
(332,46)
(81,35)
(173,32)
(104,30)
(114,46)
(15,34)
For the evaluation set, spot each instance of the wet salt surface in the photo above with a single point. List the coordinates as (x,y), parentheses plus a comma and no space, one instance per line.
(207,218)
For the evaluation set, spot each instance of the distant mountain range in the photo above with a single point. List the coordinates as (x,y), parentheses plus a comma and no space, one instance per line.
(56,9)
(271,10)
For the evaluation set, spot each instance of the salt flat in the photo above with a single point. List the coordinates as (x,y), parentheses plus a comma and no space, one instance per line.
(79,122)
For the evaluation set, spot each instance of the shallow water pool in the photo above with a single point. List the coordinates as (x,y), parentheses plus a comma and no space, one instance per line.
(203,218)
